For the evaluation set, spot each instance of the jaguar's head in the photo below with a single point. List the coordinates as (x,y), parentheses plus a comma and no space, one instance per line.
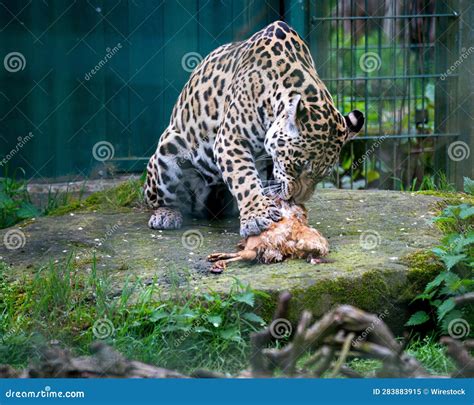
(305,141)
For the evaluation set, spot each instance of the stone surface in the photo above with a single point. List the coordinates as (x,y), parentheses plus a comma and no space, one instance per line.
(370,234)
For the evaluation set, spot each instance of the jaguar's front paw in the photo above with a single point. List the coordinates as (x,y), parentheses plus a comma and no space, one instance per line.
(166,218)
(259,219)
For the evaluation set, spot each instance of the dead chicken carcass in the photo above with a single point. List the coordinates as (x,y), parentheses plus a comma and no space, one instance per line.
(291,237)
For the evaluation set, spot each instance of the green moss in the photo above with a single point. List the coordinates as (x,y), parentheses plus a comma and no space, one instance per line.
(371,291)
(450,198)
(117,198)
(423,267)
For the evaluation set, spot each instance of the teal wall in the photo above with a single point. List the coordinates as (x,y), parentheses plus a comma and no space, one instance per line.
(127,102)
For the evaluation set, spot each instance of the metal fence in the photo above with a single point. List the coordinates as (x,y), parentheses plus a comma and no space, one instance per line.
(397,62)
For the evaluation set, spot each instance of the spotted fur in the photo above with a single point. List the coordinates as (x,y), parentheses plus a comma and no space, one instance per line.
(247,100)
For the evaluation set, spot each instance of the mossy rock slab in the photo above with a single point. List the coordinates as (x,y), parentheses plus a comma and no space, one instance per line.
(375,237)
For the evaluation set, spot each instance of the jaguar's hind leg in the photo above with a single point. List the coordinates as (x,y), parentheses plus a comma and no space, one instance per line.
(164,177)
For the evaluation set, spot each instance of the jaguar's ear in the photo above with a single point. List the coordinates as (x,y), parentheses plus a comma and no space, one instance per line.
(355,122)
(293,109)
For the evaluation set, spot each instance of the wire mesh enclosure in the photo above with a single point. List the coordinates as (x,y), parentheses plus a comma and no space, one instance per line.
(391,60)
(111,73)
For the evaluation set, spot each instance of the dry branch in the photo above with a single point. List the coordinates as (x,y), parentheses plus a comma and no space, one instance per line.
(105,363)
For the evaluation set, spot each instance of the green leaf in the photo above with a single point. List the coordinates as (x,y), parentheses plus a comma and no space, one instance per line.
(9,205)
(201,329)
(27,210)
(232,333)
(466,212)
(444,220)
(424,296)
(208,297)
(461,242)
(436,303)
(250,316)
(438,252)
(372,175)
(187,314)
(468,185)
(157,315)
(4,199)
(418,318)
(246,297)
(216,320)
(440,278)
(445,307)
(452,285)
(452,315)
(451,260)
(176,328)
(451,211)
(463,283)
(346,164)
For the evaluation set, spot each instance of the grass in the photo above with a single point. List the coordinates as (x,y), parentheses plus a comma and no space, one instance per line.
(437,182)
(59,199)
(15,202)
(16,205)
(116,198)
(179,332)
(430,353)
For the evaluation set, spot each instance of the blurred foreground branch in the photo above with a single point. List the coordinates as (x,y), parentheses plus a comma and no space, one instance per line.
(105,362)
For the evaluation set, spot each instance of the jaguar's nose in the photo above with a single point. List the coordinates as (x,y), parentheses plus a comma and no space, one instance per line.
(303,191)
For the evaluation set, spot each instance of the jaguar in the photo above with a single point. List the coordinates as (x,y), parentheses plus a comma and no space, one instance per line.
(253,121)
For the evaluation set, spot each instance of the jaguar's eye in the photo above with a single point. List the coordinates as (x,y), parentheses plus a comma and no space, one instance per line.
(299,167)
(303,167)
